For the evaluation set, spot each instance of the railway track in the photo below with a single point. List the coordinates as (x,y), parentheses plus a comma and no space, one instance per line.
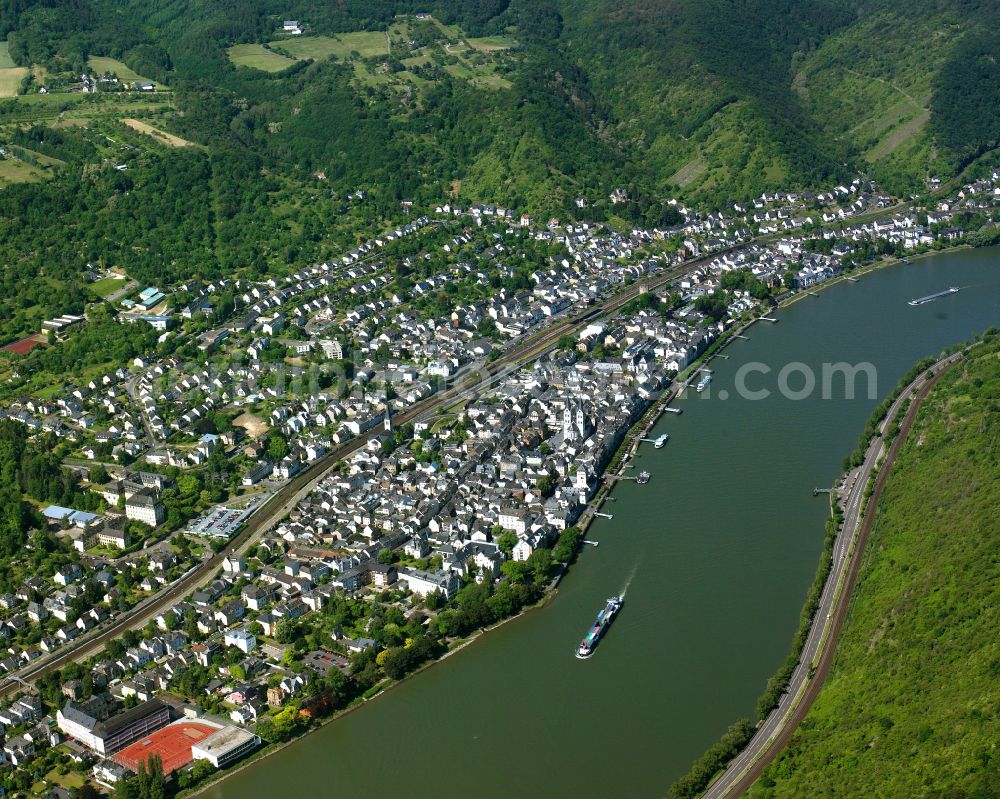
(279,504)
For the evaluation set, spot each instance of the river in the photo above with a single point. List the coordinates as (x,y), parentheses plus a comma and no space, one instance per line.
(717,552)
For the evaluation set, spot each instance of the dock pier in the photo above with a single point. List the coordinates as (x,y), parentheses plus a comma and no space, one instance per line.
(818,491)
(673,410)
(603,515)
(740,335)
(591,543)
(768,319)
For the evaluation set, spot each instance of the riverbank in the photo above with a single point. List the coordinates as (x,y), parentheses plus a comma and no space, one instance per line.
(708,559)
(867,269)
(814,662)
(273,749)
(629,446)
(917,692)
(631,439)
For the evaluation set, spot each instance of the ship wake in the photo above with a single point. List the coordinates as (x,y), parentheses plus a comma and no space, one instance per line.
(629,580)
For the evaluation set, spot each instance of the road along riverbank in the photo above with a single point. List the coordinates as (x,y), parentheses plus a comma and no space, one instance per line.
(848,551)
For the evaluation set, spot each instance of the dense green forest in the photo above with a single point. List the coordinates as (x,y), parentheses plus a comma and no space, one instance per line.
(34,469)
(710,100)
(718,98)
(911,706)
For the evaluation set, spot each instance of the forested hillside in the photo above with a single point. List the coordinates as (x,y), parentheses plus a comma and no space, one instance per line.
(257,140)
(712,98)
(724,97)
(911,706)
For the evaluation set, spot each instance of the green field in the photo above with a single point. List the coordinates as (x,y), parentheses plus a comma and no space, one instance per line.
(452,33)
(370,44)
(64,109)
(101,64)
(901,134)
(13,171)
(416,61)
(490,43)
(912,706)
(256,56)
(161,136)
(365,43)
(10,80)
(107,286)
(6,62)
(41,158)
(691,171)
(302,47)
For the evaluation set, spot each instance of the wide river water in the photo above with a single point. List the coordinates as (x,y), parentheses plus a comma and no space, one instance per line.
(717,551)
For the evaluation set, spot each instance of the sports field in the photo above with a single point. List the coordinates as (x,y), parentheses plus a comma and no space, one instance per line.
(172,743)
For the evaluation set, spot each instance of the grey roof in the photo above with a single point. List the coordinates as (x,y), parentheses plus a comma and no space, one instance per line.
(73,713)
(124,719)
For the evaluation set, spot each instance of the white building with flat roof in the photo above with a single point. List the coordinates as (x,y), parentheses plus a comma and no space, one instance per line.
(225,747)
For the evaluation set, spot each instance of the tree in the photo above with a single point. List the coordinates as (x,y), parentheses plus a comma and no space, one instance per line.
(114,648)
(85,791)
(188,485)
(518,571)
(285,631)
(541,564)
(507,540)
(277,447)
(712,305)
(148,783)
(567,545)
(434,600)
(264,729)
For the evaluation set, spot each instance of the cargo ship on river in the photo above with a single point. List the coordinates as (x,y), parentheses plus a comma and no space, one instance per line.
(938,295)
(604,619)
